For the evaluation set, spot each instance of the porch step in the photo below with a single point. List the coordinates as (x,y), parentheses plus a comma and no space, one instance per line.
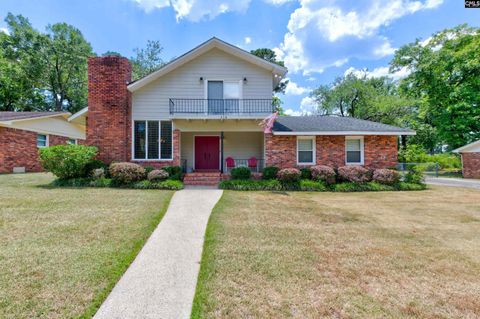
(202,178)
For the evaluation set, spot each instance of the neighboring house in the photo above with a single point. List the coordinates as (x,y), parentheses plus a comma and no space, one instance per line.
(203,111)
(23,133)
(470,159)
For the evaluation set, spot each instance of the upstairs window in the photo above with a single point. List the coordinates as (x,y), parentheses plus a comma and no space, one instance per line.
(42,140)
(354,150)
(152,140)
(306,150)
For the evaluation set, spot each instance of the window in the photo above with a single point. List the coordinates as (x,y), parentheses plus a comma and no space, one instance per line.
(72,141)
(42,140)
(152,140)
(354,150)
(305,150)
(231,90)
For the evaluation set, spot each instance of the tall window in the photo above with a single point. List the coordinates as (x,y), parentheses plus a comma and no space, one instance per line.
(306,150)
(42,140)
(354,150)
(152,140)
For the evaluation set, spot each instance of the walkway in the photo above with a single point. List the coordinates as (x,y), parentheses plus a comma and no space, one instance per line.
(454,182)
(161,281)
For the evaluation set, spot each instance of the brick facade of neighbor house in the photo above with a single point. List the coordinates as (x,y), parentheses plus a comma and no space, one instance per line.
(380,151)
(471,164)
(18,148)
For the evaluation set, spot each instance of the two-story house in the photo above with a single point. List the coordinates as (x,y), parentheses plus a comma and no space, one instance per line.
(203,111)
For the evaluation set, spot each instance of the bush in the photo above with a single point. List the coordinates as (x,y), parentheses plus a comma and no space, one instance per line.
(362,187)
(386,176)
(67,161)
(93,165)
(289,175)
(403,186)
(174,172)
(166,184)
(306,173)
(354,174)
(312,186)
(101,182)
(251,185)
(241,173)
(148,169)
(71,182)
(323,173)
(416,154)
(414,175)
(157,175)
(270,172)
(98,173)
(126,173)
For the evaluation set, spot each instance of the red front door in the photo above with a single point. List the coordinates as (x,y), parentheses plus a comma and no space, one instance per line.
(207,152)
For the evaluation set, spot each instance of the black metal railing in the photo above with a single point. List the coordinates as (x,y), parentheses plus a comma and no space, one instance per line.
(241,162)
(221,106)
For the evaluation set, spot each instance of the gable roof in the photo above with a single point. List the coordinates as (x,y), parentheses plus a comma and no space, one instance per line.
(333,125)
(18,116)
(277,70)
(472,147)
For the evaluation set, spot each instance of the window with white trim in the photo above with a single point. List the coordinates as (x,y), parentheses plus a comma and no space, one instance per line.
(306,150)
(72,141)
(42,140)
(152,140)
(354,150)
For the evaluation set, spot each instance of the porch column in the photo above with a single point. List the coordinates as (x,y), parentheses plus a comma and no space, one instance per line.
(221,152)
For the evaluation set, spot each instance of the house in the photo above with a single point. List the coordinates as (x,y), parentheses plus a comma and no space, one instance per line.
(470,159)
(23,133)
(203,111)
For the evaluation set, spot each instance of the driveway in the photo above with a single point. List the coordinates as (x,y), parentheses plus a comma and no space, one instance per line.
(454,182)
(161,281)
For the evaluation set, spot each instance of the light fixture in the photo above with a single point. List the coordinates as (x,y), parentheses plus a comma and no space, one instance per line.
(245,80)
(201,79)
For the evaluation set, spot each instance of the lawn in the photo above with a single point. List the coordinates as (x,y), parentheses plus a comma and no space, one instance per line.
(62,250)
(342,255)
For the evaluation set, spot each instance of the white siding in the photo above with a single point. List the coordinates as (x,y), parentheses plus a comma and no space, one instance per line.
(51,125)
(152,101)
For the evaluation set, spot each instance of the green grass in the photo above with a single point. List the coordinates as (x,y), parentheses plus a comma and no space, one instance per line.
(63,249)
(342,255)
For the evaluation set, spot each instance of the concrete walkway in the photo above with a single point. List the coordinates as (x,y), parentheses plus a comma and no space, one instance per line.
(454,182)
(161,281)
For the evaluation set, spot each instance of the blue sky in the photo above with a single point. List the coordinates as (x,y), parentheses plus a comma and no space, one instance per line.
(318,39)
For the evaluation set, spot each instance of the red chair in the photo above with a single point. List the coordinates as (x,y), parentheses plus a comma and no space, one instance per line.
(252,163)
(230,162)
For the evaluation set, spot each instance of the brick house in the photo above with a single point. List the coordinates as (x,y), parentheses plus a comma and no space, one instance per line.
(470,159)
(203,111)
(23,133)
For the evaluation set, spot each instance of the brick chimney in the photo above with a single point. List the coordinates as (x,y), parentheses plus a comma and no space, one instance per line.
(109,107)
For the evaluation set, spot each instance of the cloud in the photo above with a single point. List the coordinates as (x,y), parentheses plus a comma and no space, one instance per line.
(294,89)
(248,40)
(277,2)
(308,106)
(4,30)
(379,72)
(348,33)
(292,112)
(195,10)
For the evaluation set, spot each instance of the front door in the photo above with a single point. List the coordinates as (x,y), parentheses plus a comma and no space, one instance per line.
(207,152)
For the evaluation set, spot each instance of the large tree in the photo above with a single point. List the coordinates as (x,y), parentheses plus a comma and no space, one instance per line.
(445,76)
(147,60)
(271,56)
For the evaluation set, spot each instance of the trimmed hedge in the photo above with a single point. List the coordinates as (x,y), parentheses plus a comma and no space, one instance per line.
(166,184)
(323,173)
(251,185)
(125,173)
(157,175)
(270,172)
(241,173)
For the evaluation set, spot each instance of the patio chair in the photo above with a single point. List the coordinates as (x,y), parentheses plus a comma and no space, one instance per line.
(230,163)
(252,163)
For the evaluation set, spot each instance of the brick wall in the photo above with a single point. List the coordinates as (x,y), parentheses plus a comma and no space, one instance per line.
(380,151)
(109,107)
(18,148)
(471,165)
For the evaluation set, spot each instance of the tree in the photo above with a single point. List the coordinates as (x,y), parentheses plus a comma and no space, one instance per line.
(147,60)
(271,56)
(445,76)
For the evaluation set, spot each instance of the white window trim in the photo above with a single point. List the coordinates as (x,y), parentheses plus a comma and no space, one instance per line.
(314,148)
(146,142)
(47,140)
(362,150)
(205,91)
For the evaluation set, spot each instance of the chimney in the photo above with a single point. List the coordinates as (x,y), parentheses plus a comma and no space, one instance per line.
(109,107)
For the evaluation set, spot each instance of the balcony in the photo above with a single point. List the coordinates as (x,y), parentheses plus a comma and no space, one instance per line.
(221,108)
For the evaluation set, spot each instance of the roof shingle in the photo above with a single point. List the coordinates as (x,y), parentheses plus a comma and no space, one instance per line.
(11,116)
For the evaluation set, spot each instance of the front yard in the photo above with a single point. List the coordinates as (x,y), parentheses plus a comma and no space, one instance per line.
(342,255)
(62,250)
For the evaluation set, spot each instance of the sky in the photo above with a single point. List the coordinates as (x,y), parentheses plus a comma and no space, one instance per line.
(319,40)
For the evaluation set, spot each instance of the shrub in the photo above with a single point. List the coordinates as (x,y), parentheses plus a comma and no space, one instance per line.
(101,182)
(355,174)
(126,173)
(386,176)
(148,169)
(414,175)
(306,173)
(241,173)
(362,187)
(323,173)
(289,175)
(71,182)
(98,173)
(174,172)
(166,184)
(403,186)
(312,186)
(67,161)
(157,175)
(251,185)
(93,165)
(270,172)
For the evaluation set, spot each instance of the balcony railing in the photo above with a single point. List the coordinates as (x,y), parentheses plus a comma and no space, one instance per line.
(221,106)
